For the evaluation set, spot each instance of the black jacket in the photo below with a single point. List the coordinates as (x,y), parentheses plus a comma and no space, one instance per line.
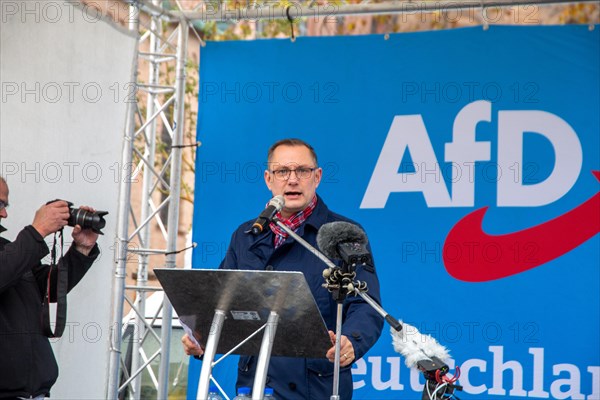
(27,363)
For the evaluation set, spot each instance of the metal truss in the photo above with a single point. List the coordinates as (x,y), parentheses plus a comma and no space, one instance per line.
(164,107)
(221,10)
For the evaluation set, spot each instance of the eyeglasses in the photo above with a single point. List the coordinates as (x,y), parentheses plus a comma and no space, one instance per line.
(3,205)
(285,173)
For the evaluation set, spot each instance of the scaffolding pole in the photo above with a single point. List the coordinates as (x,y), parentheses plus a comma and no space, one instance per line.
(175,182)
(121,238)
(139,331)
(156,50)
(213,11)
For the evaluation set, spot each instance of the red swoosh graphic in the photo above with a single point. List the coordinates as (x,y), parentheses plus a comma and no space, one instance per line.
(472,255)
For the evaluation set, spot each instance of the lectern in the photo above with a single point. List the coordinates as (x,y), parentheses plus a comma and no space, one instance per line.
(226,309)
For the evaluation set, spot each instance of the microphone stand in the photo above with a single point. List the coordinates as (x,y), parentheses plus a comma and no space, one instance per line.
(340,282)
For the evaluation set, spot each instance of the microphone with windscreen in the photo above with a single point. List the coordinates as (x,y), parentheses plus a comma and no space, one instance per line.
(344,241)
(348,242)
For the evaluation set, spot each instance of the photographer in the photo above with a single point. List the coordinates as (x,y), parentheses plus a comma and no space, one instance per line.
(28,368)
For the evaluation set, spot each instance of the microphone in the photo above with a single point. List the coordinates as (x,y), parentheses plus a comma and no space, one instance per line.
(275,205)
(425,354)
(345,241)
(417,349)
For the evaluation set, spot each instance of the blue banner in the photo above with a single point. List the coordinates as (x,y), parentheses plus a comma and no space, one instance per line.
(471,158)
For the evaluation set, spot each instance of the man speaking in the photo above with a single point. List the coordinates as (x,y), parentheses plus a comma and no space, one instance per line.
(293,173)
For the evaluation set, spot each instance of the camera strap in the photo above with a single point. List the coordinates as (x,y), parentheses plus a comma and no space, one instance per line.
(61,272)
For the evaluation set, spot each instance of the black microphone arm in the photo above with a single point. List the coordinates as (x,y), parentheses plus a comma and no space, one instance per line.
(352,290)
(348,242)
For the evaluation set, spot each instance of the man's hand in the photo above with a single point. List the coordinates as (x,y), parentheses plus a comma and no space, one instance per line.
(191,348)
(51,218)
(346,350)
(84,239)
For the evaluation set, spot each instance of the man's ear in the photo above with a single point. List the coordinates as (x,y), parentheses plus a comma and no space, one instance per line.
(268,179)
(318,176)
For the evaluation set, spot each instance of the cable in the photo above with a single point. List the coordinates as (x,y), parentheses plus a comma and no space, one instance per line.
(289,17)
(437,389)
(428,392)
(453,378)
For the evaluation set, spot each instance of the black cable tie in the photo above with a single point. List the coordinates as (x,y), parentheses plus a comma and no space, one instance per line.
(287,12)
(194,245)
(181,146)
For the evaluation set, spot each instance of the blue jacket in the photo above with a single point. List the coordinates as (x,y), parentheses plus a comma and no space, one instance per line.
(300,378)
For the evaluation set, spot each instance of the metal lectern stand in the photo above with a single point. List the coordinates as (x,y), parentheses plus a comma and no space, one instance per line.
(229,308)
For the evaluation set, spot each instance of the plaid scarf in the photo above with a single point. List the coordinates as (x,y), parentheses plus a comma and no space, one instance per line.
(292,222)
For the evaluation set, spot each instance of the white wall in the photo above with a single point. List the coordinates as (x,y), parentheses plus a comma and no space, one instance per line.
(64,85)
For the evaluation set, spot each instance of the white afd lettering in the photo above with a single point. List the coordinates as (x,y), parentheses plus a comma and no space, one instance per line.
(505,376)
(409,134)
(465,379)
(512,125)
(572,382)
(500,366)
(465,150)
(595,371)
(394,382)
(538,374)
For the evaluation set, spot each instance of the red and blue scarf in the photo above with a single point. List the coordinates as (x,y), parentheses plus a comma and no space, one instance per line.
(292,222)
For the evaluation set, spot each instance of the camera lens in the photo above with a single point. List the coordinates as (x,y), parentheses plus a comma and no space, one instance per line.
(87,220)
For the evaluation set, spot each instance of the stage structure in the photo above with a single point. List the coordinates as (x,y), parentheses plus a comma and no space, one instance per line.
(157,50)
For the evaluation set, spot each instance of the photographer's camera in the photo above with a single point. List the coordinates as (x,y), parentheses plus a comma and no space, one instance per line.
(86,219)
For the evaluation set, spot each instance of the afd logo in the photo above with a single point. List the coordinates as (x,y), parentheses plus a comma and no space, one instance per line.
(408,133)
(467,248)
